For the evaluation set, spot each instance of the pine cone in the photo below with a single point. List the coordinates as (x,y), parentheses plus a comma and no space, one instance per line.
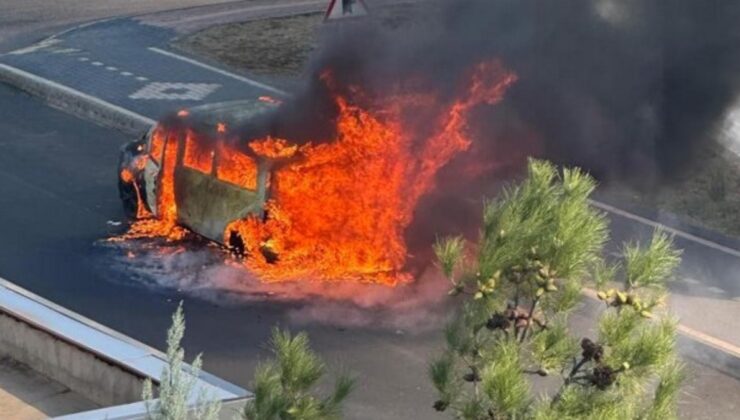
(440,405)
(591,350)
(471,377)
(498,321)
(603,376)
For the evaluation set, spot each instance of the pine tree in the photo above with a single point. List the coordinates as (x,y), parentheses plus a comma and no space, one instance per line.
(540,242)
(178,383)
(283,387)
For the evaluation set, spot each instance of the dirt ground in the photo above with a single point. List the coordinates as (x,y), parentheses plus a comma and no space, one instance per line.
(708,195)
(278,46)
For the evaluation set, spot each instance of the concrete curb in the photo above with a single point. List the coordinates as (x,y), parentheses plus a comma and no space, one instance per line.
(75,102)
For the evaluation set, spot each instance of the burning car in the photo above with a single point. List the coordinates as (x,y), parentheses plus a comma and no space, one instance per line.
(331,208)
(191,157)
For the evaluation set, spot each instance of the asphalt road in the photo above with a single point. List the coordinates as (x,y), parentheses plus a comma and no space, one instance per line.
(22,21)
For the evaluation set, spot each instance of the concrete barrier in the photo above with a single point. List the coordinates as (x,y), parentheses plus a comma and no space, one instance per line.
(102,381)
(90,359)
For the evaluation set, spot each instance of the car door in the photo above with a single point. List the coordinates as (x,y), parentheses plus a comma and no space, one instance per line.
(207,204)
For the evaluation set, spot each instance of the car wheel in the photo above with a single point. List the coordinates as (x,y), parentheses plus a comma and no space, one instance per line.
(236,244)
(127,193)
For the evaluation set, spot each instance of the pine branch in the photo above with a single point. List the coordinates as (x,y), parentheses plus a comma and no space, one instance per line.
(651,266)
(449,253)
(283,387)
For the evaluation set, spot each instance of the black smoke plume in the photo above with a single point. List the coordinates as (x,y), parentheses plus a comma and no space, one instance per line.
(628,89)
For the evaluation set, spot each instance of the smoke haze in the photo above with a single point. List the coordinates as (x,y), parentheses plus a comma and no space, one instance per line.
(204,272)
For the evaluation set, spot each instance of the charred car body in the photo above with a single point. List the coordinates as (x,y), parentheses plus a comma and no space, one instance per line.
(214,179)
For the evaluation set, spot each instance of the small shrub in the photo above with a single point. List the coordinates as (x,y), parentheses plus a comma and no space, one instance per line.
(178,383)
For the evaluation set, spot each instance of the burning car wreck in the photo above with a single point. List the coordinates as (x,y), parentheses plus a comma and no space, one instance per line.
(330,209)
(205,182)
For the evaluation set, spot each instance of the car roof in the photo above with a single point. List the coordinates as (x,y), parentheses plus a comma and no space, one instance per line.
(232,113)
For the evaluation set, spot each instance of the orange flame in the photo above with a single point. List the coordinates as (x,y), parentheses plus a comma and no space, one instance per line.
(157,144)
(273,148)
(340,211)
(236,167)
(127,176)
(197,153)
(165,224)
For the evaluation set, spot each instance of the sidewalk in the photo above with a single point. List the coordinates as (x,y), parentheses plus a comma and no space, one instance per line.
(28,395)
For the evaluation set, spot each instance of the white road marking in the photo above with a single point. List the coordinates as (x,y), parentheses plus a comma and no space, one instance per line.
(219,71)
(175,91)
(111,68)
(96,63)
(46,43)
(716,290)
(126,73)
(83,59)
(691,333)
(676,232)
(142,78)
(65,50)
